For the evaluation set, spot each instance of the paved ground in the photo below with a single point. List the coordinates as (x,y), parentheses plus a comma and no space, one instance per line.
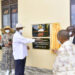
(34,71)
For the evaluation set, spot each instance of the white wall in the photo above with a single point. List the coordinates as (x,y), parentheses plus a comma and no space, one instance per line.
(42,11)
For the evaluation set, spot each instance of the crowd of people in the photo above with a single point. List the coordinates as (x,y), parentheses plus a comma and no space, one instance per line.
(14,51)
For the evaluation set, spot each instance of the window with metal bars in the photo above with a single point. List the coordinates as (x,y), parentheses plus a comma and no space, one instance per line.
(9,13)
(72,15)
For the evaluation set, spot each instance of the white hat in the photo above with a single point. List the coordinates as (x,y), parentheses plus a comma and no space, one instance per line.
(19,26)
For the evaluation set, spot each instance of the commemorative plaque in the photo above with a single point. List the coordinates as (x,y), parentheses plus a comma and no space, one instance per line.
(44,44)
(41,30)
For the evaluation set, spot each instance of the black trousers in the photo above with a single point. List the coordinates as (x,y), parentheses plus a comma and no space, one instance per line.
(20,66)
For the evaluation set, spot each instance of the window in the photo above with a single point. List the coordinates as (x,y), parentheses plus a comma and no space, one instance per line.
(73,12)
(9,13)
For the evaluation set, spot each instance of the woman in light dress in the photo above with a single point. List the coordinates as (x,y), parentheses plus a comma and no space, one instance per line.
(7,63)
(65,61)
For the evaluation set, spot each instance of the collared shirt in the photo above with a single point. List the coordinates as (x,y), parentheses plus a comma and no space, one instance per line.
(19,46)
(65,58)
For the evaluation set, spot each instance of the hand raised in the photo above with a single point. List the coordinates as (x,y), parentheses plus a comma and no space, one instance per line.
(54,50)
(38,40)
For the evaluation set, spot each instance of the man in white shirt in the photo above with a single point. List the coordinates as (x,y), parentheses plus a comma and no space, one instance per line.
(20,49)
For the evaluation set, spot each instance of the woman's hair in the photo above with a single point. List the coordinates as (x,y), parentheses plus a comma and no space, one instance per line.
(63,34)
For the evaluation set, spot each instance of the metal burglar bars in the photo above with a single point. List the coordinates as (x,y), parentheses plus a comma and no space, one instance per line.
(72,12)
(9,12)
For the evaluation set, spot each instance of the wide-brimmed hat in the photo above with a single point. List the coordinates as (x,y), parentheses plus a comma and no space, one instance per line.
(19,26)
(7,27)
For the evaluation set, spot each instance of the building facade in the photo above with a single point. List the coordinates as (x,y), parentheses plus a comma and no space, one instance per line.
(31,12)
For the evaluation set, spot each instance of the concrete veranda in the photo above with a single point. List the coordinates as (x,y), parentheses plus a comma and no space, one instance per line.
(34,71)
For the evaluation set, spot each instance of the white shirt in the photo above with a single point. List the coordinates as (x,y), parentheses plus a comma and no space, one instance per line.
(19,46)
